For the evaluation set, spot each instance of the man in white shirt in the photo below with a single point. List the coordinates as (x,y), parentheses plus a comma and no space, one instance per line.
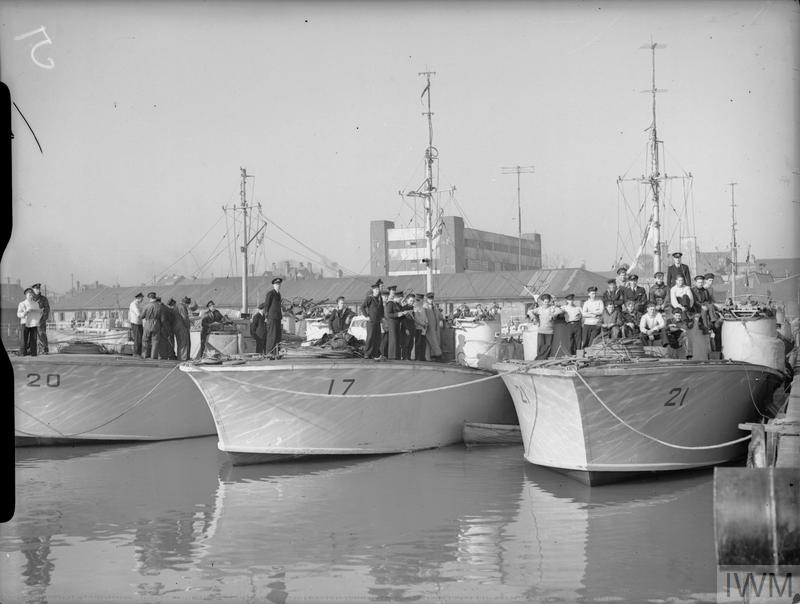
(29,314)
(591,310)
(651,325)
(545,313)
(135,319)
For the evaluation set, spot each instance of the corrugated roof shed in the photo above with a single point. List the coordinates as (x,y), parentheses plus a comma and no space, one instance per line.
(461,287)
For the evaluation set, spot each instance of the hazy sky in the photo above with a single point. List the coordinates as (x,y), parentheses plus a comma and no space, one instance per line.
(150,109)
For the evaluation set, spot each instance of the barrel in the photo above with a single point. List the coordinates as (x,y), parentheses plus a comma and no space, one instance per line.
(757,516)
(476,343)
(753,341)
(530,343)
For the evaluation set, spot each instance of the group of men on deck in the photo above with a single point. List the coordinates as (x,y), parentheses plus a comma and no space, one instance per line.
(158,330)
(659,316)
(400,326)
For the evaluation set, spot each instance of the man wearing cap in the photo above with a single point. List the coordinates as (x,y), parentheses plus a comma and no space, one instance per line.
(572,317)
(385,297)
(340,317)
(591,310)
(635,292)
(44,305)
(372,308)
(393,315)
(435,322)
(181,325)
(545,313)
(420,317)
(210,316)
(135,319)
(676,269)
(30,314)
(258,329)
(151,327)
(614,294)
(716,321)
(407,327)
(622,276)
(167,335)
(273,315)
(659,292)
(702,304)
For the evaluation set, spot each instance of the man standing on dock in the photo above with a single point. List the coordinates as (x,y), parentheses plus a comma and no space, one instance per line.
(273,314)
(372,308)
(44,305)
(135,319)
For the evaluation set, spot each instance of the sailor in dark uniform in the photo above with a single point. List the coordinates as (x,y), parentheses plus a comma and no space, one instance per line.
(44,305)
(659,292)
(273,314)
(676,269)
(372,308)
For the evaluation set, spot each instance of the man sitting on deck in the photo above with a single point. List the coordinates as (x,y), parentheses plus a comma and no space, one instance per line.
(651,325)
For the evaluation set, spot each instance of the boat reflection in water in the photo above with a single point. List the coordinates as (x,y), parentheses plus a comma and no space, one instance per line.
(174,520)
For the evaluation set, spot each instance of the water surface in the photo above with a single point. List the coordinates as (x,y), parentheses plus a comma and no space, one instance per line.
(174,521)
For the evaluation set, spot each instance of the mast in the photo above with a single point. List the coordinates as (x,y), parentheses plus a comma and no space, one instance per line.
(734,252)
(654,178)
(243,248)
(431,154)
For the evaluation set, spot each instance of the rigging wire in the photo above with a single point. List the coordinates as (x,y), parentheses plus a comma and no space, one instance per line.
(189,251)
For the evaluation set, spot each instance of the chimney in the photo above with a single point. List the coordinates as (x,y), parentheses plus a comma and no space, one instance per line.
(78,286)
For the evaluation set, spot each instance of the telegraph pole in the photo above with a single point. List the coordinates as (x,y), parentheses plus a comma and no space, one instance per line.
(518,170)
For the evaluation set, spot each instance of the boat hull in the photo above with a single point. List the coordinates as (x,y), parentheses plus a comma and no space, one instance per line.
(567,417)
(62,399)
(269,410)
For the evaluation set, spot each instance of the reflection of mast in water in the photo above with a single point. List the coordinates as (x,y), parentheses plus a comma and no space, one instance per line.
(38,567)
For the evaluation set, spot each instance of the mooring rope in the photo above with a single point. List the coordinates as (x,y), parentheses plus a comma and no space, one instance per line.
(105,423)
(653,438)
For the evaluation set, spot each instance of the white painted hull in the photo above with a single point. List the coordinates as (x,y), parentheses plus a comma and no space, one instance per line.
(265,410)
(68,398)
(684,403)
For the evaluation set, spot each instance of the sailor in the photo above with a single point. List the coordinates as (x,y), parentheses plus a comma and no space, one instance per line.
(44,304)
(435,324)
(572,317)
(273,315)
(407,327)
(181,326)
(167,347)
(614,294)
(258,329)
(420,317)
(611,321)
(659,292)
(385,324)
(340,317)
(681,298)
(702,305)
(30,315)
(211,316)
(135,319)
(592,310)
(372,308)
(716,320)
(651,325)
(677,269)
(637,293)
(630,319)
(675,335)
(393,314)
(151,327)
(545,313)
(622,276)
